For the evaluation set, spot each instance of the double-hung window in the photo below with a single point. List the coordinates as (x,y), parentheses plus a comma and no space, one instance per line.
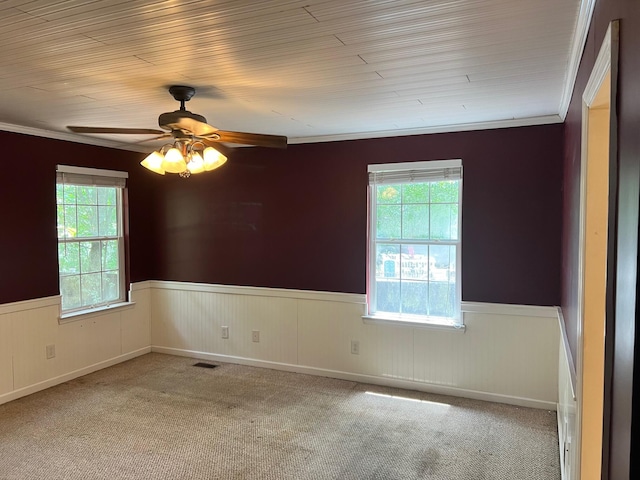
(414,242)
(90,237)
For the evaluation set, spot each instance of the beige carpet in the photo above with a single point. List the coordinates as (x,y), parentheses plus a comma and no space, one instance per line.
(159,417)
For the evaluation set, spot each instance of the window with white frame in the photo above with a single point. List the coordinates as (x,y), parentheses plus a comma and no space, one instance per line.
(90,237)
(414,241)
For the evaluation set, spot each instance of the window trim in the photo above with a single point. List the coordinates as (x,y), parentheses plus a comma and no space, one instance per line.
(76,315)
(109,178)
(405,171)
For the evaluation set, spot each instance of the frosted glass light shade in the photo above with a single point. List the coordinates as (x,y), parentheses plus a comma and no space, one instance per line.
(213,159)
(174,161)
(196,164)
(154,162)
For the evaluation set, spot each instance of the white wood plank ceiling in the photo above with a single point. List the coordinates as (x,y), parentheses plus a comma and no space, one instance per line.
(311,70)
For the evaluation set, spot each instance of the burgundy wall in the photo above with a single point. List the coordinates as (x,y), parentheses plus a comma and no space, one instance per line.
(626,266)
(28,244)
(297,218)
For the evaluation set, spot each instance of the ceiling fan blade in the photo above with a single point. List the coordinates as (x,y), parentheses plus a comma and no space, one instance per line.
(257,139)
(132,131)
(153,139)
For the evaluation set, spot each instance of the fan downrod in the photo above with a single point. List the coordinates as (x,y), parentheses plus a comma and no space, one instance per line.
(182,94)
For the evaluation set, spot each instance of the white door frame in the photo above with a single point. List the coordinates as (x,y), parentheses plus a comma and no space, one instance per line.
(605,67)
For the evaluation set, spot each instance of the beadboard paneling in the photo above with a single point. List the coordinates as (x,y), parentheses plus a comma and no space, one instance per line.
(325,332)
(135,328)
(193,320)
(6,353)
(82,345)
(509,355)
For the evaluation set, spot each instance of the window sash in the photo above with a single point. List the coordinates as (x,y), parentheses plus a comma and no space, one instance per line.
(385,174)
(102,178)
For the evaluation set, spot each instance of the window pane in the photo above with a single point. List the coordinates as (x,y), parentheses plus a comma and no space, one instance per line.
(415,221)
(443,263)
(441,299)
(442,276)
(87,221)
(110,255)
(87,195)
(69,221)
(91,286)
(387,278)
(110,290)
(415,296)
(388,194)
(415,262)
(388,221)
(388,295)
(415,193)
(444,224)
(108,221)
(445,191)
(70,193)
(454,222)
(70,291)
(59,193)
(387,261)
(89,257)
(106,195)
(68,258)
(60,214)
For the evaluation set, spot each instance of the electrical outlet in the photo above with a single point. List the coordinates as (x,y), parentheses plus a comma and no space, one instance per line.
(225,332)
(355,347)
(51,351)
(255,335)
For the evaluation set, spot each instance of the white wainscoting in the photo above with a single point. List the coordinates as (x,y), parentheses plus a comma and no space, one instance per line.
(86,344)
(507,354)
(567,405)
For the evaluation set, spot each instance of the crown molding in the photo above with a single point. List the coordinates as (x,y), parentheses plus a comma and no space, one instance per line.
(577,48)
(71,137)
(462,127)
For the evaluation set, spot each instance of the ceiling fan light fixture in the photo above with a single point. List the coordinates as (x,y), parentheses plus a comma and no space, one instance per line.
(153,162)
(174,161)
(213,159)
(191,133)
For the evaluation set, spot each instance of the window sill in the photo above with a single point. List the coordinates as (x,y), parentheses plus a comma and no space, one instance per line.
(414,322)
(94,312)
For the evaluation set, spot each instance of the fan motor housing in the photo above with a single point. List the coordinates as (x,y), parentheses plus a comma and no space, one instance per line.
(167,120)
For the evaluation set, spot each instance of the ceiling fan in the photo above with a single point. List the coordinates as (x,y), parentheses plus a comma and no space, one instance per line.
(195,144)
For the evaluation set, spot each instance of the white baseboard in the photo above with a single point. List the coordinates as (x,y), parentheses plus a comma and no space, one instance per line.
(361,378)
(23,392)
